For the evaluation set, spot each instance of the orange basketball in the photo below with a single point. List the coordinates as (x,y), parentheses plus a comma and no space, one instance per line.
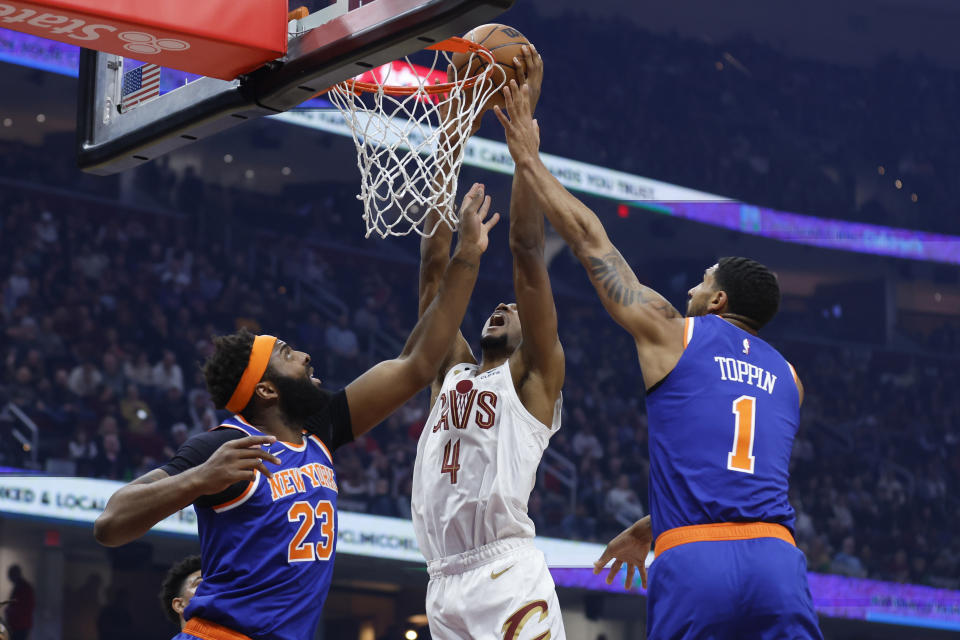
(505,44)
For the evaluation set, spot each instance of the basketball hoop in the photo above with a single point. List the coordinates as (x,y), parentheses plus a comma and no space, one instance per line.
(410,136)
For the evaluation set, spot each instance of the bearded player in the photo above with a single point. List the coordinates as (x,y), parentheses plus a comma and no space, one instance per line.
(263,484)
(477,458)
(723,409)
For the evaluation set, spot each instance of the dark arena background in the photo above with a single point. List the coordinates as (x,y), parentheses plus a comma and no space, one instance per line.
(820,138)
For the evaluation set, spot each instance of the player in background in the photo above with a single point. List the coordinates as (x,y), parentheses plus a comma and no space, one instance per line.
(479,451)
(263,484)
(723,409)
(179,586)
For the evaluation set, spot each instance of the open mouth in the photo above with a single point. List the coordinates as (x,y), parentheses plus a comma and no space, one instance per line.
(497,320)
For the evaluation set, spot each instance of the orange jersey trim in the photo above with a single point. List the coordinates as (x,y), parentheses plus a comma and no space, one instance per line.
(290,445)
(206,630)
(236,502)
(322,446)
(687,331)
(796,378)
(720,532)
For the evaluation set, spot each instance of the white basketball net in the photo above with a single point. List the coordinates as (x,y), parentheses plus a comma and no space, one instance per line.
(407,145)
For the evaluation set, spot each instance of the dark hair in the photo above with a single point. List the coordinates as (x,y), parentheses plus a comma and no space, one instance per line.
(752,289)
(223,370)
(173,584)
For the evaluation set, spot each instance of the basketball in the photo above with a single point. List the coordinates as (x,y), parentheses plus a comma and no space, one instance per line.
(505,43)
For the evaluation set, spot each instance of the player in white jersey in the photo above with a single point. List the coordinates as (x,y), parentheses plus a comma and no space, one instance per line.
(478,454)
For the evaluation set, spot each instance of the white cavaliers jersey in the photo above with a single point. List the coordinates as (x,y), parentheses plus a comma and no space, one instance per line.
(476,463)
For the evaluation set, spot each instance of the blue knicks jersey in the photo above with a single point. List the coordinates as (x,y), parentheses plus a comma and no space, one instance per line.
(721,429)
(267,555)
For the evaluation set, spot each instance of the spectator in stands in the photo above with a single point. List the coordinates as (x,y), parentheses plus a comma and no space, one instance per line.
(21,605)
(84,379)
(202,413)
(342,343)
(382,503)
(133,409)
(167,373)
(846,562)
(112,464)
(83,451)
(623,503)
(585,444)
(139,372)
(112,374)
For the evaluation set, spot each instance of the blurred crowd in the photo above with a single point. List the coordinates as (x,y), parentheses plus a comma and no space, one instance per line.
(741,119)
(108,309)
(108,312)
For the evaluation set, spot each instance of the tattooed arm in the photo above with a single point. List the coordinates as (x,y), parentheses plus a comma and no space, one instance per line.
(656,326)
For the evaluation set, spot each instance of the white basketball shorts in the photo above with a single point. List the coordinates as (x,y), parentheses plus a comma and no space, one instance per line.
(501,591)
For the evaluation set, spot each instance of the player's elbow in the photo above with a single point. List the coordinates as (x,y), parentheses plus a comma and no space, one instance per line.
(526,245)
(105,530)
(418,371)
(586,246)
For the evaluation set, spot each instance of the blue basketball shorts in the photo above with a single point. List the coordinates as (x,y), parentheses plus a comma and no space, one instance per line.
(753,589)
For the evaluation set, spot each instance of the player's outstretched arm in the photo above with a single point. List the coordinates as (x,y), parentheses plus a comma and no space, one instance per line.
(540,352)
(434,258)
(135,508)
(381,390)
(640,310)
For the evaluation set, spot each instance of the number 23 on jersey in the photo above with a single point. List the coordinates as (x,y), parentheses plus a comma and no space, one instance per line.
(301,511)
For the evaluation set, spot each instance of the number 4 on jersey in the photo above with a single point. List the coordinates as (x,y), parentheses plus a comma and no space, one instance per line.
(741,458)
(451,460)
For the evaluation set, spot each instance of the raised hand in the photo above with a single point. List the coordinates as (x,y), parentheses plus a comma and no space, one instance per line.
(474,226)
(235,461)
(630,547)
(529,67)
(522,131)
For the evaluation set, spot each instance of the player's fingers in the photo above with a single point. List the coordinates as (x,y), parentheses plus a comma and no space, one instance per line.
(255,452)
(491,223)
(475,191)
(521,68)
(631,569)
(643,576)
(508,100)
(266,455)
(602,561)
(484,208)
(529,60)
(263,469)
(614,570)
(249,441)
(501,116)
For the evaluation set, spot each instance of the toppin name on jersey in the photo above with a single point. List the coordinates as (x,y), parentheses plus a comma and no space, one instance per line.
(739,371)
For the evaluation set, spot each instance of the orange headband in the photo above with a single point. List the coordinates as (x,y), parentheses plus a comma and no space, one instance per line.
(259,358)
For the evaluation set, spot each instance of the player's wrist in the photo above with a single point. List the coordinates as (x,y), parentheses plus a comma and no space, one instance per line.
(467,256)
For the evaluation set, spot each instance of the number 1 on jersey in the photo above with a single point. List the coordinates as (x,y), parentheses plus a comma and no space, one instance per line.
(741,458)
(451,460)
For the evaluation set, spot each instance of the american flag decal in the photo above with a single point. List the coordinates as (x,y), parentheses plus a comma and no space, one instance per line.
(139,85)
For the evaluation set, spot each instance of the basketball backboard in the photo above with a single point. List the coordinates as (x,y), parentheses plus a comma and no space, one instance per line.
(339,42)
